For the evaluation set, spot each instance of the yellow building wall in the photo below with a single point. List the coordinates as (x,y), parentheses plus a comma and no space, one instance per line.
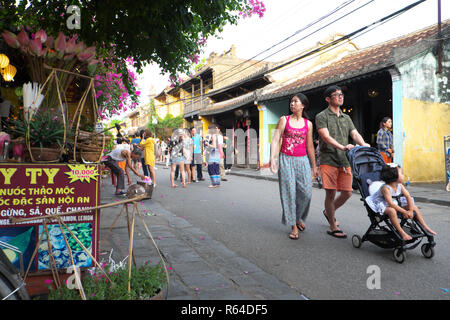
(206,122)
(174,106)
(425,124)
(161,111)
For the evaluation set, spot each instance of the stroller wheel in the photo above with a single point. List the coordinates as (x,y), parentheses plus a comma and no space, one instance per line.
(399,255)
(427,250)
(356,241)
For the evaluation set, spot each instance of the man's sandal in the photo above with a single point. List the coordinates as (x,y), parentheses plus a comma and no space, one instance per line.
(337,234)
(328,219)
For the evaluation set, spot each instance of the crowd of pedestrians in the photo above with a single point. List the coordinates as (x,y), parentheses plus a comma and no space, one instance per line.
(292,156)
(185,153)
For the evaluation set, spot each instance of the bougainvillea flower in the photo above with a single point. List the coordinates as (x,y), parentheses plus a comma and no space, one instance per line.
(41,35)
(23,38)
(11,39)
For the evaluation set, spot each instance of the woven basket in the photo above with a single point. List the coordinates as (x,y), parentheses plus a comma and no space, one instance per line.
(91,156)
(45,154)
(148,189)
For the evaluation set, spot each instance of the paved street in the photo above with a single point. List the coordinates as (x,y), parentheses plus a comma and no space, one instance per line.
(244,215)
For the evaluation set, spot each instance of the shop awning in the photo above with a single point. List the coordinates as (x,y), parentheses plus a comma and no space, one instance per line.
(191,114)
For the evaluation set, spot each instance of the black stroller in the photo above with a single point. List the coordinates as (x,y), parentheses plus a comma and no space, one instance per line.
(366,164)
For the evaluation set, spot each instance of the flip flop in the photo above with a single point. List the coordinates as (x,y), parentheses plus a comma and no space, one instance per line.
(328,219)
(293,236)
(335,232)
(121,193)
(301,227)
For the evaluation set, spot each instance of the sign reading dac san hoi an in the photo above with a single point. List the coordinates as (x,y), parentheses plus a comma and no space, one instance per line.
(33,191)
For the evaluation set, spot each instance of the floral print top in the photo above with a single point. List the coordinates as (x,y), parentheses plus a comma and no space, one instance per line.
(294,140)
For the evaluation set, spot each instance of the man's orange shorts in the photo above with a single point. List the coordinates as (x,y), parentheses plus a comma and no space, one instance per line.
(336,178)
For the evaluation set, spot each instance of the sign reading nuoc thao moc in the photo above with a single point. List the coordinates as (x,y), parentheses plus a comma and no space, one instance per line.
(33,191)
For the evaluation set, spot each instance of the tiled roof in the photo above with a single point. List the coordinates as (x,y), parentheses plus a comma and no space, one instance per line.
(230,104)
(365,61)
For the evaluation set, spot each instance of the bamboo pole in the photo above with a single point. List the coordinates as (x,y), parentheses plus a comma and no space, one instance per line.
(130,250)
(86,250)
(51,258)
(157,249)
(53,216)
(77,276)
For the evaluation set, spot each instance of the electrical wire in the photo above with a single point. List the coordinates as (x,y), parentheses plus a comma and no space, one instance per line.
(303,38)
(340,7)
(329,46)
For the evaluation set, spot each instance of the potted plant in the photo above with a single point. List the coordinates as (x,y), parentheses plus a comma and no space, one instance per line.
(147,282)
(46,134)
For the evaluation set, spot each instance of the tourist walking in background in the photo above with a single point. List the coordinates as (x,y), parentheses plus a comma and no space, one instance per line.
(197,159)
(144,166)
(148,143)
(334,128)
(135,145)
(385,141)
(167,154)
(294,134)
(212,156)
(220,141)
(177,158)
(187,153)
(163,151)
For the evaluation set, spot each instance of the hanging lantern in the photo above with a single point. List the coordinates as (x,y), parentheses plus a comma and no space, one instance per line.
(4,60)
(9,72)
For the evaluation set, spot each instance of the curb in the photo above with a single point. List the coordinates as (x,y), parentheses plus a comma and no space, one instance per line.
(315,185)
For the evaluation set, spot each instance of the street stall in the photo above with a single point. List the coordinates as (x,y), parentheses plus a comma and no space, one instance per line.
(50,156)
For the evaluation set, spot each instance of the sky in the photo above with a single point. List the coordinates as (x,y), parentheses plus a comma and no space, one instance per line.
(253,37)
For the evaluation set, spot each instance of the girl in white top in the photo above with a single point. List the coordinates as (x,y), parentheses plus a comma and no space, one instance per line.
(382,201)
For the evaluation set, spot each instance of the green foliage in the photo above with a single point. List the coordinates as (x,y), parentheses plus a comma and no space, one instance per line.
(45,129)
(149,31)
(145,283)
(163,128)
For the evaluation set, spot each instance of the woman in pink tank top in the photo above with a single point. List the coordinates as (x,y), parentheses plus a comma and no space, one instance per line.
(296,158)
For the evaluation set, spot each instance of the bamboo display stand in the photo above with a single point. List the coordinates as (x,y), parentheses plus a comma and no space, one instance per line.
(52,78)
(131,225)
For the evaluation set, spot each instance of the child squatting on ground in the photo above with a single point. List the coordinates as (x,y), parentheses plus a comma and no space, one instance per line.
(382,201)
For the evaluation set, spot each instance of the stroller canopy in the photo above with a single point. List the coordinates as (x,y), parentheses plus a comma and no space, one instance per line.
(366,164)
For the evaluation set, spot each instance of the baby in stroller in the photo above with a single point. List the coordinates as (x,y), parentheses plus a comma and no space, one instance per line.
(393,200)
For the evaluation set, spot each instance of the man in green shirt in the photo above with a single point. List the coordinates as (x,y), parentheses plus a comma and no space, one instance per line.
(335,128)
